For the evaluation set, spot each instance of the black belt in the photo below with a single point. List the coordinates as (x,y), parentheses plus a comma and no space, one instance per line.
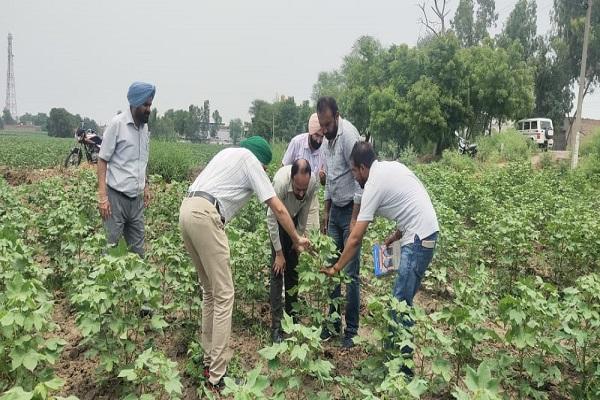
(211,199)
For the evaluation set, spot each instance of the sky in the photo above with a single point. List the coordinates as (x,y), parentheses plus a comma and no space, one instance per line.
(83,54)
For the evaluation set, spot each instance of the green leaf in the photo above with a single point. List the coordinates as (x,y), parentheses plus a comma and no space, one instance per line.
(17,393)
(128,374)
(30,360)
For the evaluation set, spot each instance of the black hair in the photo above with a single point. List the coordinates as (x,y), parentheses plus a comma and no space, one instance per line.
(327,103)
(300,166)
(363,154)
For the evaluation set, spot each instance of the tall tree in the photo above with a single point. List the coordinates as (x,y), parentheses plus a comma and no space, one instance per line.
(328,84)
(217,120)
(7,117)
(433,16)
(464,23)
(262,114)
(61,123)
(521,27)
(486,18)
(236,130)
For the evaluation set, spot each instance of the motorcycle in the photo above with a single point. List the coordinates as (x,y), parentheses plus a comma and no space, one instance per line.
(464,147)
(88,142)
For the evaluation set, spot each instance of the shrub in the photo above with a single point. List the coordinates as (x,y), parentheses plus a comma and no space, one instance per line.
(504,146)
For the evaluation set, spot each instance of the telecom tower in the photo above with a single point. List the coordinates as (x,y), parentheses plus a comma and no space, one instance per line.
(11,95)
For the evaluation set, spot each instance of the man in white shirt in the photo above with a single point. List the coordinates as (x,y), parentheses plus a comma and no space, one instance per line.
(217,194)
(295,187)
(308,146)
(122,161)
(392,191)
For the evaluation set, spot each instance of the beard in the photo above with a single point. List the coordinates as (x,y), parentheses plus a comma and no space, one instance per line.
(332,135)
(313,143)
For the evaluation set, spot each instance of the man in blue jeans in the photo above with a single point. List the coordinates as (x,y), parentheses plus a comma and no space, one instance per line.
(392,191)
(342,202)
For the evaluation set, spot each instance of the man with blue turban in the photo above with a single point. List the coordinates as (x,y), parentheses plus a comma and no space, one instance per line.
(123,191)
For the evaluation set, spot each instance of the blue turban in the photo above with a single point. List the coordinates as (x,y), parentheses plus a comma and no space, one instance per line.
(139,92)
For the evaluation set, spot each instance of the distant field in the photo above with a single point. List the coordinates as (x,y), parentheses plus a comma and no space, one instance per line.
(174,161)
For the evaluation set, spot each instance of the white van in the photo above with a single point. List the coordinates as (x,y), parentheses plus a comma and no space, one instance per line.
(540,130)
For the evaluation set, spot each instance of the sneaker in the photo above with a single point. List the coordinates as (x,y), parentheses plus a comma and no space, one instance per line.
(276,336)
(347,342)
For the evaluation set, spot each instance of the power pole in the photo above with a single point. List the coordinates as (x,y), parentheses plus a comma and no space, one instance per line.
(577,124)
(11,95)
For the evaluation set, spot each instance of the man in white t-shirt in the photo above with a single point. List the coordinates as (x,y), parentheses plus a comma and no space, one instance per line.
(393,191)
(217,194)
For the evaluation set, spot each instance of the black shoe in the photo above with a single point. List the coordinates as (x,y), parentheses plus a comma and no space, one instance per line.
(276,336)
(146,311)
(216,387)
(326,335)
(408,372)
(348,342)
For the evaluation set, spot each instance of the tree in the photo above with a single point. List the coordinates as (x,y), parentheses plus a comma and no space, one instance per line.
(471,26)
(214,128)
(164,129)
(464,24)
(236,130)
(436,25)
(328,84)
(262,114)
(7,117)
(61,123)
(521,27)
(363,71)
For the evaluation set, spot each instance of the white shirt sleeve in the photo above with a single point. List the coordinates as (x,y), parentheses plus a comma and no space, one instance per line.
(371,199)
(109,141)
(259,180)
(289,153)
(280,187)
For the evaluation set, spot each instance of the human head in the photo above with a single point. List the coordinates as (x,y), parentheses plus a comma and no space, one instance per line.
(259,147)
(300,177)
(140,96)
(315,133)
(361,159)
(328,114)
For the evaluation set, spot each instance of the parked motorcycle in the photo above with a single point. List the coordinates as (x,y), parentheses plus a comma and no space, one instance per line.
(88,143)
(464,147)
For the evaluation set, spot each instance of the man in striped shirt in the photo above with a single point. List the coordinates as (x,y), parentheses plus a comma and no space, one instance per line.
(217,194)
(342,203)
(307,146)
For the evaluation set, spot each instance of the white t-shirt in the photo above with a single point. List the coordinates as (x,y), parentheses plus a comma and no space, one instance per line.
(231,177)
(393,191)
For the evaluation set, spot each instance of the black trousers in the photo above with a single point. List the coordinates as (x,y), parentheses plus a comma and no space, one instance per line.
(289,279)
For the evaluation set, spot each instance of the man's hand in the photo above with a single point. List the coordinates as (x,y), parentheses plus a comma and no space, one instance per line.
(147,196)
(302,244)
(329,271)
(322,176)
(279,263)
(104,208)
(392,238)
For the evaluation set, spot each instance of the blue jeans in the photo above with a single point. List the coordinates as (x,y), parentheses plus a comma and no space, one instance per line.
(414,260)
(339,230)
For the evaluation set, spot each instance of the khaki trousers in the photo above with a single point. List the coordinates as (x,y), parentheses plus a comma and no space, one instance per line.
(313,222)
(204,238)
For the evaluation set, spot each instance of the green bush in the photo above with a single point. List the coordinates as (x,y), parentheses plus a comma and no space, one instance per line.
(591,145)
(504,146)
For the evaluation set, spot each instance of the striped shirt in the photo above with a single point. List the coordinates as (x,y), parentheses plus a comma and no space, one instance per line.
(125,149)
(282,182)
(299,148)
(231,177)
(341,188)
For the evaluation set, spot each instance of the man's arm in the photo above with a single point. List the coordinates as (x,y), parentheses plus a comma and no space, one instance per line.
(396,235)
(350,248)
(286,222)
(103,203)
(325,221)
